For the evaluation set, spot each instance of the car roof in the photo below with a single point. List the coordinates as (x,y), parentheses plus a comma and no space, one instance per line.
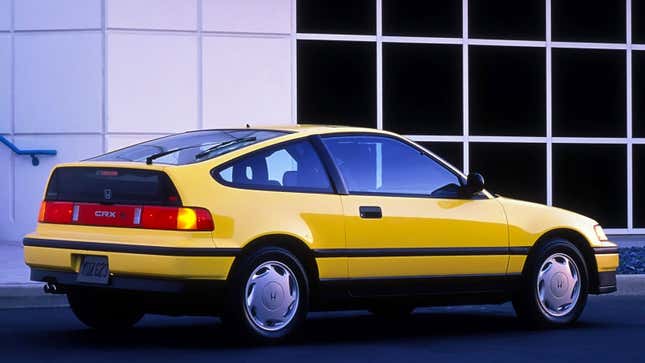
(309,129)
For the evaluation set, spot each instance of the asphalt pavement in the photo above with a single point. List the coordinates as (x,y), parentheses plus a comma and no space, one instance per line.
(612,328)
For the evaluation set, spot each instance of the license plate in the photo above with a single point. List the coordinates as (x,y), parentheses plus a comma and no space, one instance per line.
(94,270)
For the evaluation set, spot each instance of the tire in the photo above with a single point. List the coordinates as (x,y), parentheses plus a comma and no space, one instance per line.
(268,296)
(104,310)
(555,285)
(391,311)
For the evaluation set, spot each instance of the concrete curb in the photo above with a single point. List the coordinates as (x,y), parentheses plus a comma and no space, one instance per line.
(32,295)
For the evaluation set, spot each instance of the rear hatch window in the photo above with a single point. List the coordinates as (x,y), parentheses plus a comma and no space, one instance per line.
(190,147)
(111,186)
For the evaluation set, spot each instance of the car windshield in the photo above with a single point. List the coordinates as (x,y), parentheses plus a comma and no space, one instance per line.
(189,147)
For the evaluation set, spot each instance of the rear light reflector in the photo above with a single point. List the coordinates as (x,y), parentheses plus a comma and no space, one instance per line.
(131,216)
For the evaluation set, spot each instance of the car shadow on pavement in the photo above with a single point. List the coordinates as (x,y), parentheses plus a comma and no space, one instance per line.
(320,329)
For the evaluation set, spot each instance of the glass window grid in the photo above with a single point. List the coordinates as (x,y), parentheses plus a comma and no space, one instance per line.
(466,138)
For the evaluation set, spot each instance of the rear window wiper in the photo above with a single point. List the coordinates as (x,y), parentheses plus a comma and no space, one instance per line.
(201,154)
(150,158)
(206,152)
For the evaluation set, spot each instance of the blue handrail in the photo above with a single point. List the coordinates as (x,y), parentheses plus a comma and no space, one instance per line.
(32,153)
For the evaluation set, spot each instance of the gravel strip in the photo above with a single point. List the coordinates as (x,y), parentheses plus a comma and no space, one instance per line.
(632,260)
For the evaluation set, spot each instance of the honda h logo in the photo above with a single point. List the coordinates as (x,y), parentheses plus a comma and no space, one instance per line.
(560,283)
(107,194)
(273,295)
(104,213)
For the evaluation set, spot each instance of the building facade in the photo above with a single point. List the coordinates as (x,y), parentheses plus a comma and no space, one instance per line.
(541,97)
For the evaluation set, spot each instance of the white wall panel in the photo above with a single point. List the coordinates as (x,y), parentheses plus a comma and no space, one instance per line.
(152,82)
(30,181)
(253,16)
(58,82)
(6,194)
(115,142)
(5,14)
(152,14)
(5,83)
(57,14)
(246,80)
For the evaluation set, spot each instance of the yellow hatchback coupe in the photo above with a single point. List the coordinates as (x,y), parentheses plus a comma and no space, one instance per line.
(260,226)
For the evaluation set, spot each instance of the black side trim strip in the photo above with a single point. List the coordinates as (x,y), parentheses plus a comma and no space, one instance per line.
(423,285)
(519,250)
(421,277)
(402,252)
(605,250)
(124,248)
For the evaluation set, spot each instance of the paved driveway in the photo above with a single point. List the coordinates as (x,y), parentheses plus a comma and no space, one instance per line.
(612,329)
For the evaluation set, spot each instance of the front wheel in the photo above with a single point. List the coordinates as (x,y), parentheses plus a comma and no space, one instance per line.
(555,285)
(104,310)
(268,295)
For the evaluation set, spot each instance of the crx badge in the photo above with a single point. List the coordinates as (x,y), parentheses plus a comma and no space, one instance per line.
(107,194)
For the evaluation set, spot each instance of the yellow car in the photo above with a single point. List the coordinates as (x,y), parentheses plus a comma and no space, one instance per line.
(260,226)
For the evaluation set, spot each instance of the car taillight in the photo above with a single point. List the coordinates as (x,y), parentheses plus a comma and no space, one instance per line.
(180,218)
(56,212)
(132,216)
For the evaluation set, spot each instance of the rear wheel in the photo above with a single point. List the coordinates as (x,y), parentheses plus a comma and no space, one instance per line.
(555,285)
(268,295)
(104,309)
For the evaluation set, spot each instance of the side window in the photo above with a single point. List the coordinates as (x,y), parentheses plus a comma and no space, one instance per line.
(291,167)
(382,165)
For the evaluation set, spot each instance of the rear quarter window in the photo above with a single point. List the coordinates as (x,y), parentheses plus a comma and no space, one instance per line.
(293,166)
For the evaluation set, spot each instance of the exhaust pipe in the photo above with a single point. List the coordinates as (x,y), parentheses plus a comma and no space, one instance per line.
(52,288)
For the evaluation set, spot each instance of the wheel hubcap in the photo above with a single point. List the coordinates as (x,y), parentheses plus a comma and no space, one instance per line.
(271,296)
(558,285)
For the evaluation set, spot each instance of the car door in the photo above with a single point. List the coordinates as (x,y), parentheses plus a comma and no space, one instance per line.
(406,217)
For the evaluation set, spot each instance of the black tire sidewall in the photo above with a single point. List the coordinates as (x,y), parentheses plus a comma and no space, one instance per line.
(235,313)
(541,317)
(104,310)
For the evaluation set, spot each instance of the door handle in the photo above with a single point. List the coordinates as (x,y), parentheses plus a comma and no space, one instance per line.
(370,212)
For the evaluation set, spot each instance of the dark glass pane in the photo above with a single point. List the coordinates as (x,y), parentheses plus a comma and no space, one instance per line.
(422,18)
(293,167)
(190,147)
(507,88)
(638,93)
(337,83)
(638,21)
(512,170)
(639,186)
(589,93)
(382,165)
(422,89)
(592,180)
(452,152)
(336,16)
(507,19)
(588,21)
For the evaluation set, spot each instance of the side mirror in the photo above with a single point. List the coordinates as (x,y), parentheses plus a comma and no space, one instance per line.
(474,183)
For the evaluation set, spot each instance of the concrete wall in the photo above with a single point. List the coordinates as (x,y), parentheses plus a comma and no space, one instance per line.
(88,76)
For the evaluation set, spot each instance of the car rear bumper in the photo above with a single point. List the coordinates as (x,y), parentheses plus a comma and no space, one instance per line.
(126,261)
(64,280)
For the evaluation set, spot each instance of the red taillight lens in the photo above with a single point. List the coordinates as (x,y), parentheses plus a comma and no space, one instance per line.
(132,216)
(204,219)
(56,212)
(180,218)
